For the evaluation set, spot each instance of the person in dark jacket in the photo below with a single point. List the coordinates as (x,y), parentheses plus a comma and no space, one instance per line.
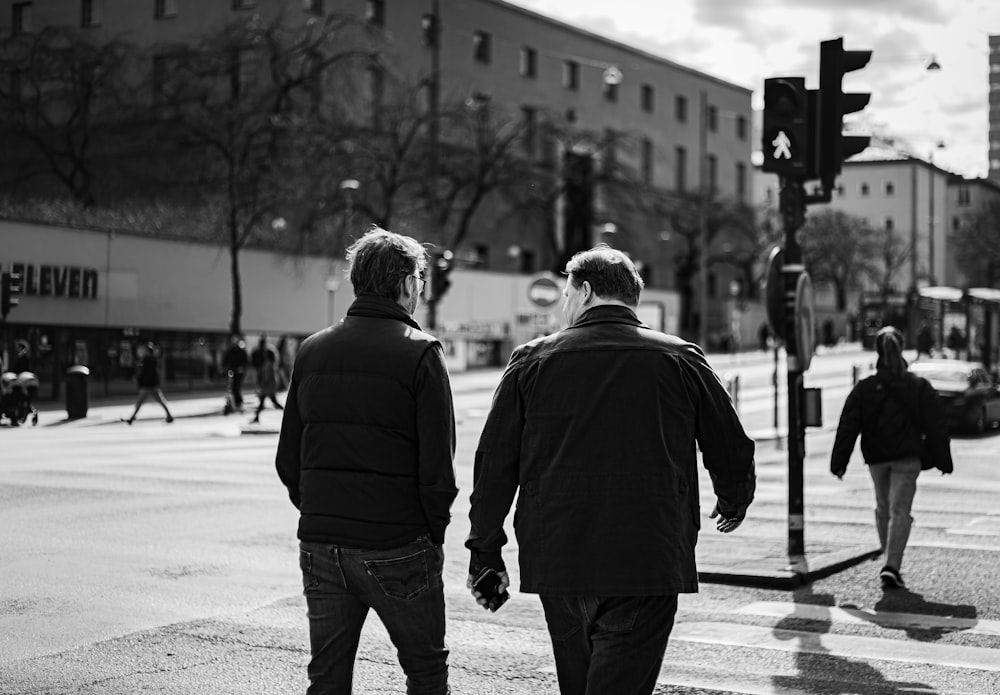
(901,422)
(596,425)
(367,451)
(148,380)
(236,361)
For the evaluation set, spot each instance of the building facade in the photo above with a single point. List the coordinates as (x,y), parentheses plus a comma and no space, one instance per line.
(687,131)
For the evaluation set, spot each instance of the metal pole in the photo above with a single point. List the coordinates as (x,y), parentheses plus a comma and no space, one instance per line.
(774,380)
(793,215)
(702,221)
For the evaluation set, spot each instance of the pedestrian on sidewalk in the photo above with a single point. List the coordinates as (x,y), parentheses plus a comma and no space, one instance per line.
(366,451)
(267,383)
(597,426)
(901,422)
(148,381)
(235,362)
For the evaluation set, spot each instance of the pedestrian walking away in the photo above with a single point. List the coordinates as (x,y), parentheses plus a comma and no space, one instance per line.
(366,451)
(267,384)
(148,380)
(903,429)
(594,428)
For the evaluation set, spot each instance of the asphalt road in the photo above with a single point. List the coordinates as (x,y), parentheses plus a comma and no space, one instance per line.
(161,558)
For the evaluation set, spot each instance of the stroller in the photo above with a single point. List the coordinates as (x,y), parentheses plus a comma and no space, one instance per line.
(17,392)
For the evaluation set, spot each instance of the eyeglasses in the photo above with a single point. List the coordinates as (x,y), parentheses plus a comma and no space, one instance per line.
(423,281)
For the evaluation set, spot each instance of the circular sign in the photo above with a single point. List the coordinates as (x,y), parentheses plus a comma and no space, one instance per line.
(774,293)
(544,291)
(805,321)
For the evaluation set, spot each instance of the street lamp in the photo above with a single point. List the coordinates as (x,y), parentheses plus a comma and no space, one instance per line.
(931,276)
(349,187)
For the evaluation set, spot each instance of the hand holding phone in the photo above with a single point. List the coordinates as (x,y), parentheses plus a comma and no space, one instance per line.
(487,584)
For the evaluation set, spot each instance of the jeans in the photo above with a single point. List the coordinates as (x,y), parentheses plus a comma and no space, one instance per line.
(608,645)
(404,587)
(895,486)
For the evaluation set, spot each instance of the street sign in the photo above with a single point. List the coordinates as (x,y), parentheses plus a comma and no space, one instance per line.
(544,291)
(805,321)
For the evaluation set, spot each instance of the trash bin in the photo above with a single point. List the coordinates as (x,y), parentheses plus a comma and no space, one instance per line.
(76,391)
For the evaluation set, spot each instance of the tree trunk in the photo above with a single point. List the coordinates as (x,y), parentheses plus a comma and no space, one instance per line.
(235,320)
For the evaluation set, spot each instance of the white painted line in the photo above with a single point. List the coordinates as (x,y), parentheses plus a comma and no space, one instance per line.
(848,646)
(953,546)
(777,609)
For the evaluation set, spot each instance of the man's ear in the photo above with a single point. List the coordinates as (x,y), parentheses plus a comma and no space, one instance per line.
(588,291)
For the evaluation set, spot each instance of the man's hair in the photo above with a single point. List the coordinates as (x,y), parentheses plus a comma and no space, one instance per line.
(380,260)
(611,274)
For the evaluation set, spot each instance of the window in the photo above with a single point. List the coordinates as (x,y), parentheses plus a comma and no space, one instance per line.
(482,47)
(741,182)
(994,164)
(159,78)
(890,224)
(956,224)
(647,98)
(840,189)
(680,175)
(312,6)
(713,173)
(864,189)
(239,75)
(529,62)
(529,139)
(20,17)
(647,161)
(681,108)
(428,30)
(769,194)
(90,13)
(713,118)
(244,4)
(571,75)
(610,92)
(376,92)
(375,12)
(741,127)
(964,195)
(163,9)
(890,189)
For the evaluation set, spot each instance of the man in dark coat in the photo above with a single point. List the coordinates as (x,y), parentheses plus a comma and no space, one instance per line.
(597,426)
(366,451)
(236,361)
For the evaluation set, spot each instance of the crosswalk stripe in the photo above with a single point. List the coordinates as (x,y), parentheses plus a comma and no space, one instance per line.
(776,609)
(848,646)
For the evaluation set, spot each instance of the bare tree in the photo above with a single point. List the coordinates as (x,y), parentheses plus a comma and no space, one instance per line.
(837,249)
(890,255)
(977,244)
(242,102)
(63,98)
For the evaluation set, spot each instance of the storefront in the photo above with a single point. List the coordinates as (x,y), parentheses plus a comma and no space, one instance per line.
(93,297)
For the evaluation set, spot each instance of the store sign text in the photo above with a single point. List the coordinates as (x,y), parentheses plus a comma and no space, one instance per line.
(56,280)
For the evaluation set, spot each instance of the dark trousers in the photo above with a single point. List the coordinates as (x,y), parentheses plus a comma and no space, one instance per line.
(609,645)
(405,589)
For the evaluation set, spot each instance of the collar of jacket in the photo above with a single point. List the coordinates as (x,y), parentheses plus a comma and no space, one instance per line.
(370,307)
(609,313)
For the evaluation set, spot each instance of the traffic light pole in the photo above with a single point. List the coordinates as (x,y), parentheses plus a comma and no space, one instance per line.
(793,207)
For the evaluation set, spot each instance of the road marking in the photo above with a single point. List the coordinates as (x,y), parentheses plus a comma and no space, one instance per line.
(846,646)
(777,609)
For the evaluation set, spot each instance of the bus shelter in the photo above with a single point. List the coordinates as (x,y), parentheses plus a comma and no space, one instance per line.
(966,322)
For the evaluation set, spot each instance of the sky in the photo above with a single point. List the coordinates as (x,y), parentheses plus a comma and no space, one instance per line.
(940,116)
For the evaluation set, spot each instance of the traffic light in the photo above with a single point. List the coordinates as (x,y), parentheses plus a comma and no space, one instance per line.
(787,135)
(10,292)
(441,274)
(833,146)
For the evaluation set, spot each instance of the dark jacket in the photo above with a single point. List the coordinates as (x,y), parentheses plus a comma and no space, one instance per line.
(597,426)
(367,439)
(148,376)
(893,417)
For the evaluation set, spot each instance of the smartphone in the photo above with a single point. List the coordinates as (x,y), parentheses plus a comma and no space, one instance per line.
(487,583)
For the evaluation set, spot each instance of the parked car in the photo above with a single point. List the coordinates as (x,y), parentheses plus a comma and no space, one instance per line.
(970,397)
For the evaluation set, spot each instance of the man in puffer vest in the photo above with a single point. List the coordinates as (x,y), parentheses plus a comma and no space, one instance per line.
(367,452)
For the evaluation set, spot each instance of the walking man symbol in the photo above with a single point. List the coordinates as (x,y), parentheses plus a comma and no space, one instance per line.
(782,146)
